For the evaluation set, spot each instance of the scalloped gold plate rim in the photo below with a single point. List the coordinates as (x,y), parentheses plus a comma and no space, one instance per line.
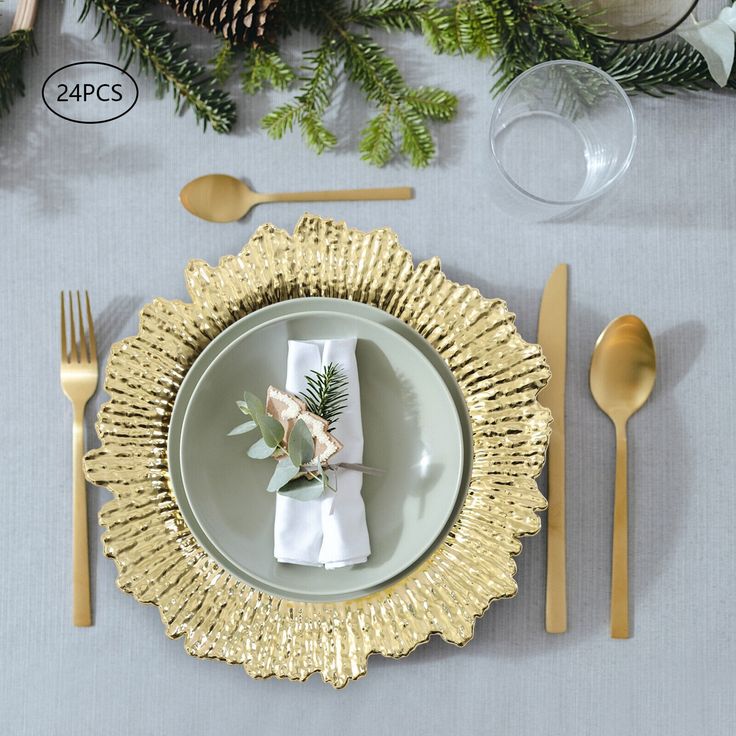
(220,617)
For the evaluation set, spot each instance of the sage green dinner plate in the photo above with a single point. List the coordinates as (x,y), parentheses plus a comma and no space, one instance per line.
(411,431)
(261,316)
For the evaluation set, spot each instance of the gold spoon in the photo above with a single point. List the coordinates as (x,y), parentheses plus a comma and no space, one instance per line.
(223,198)
(622,375)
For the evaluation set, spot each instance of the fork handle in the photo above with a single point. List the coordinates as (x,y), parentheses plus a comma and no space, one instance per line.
(81,609)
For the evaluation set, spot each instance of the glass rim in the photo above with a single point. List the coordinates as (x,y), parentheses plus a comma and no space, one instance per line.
(624,166)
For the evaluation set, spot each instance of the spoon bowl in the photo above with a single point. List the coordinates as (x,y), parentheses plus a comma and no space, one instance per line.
(217,198)
(622,375)
(623,368)
(223,198)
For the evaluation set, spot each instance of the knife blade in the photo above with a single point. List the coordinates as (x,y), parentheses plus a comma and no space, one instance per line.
(552,336)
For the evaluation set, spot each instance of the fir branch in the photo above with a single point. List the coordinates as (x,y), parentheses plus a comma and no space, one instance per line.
(519,33)
(392,15)
(261,66)
(146,39)
(310,15)
(367,64)
(400,124)
(326,394)
(377,140)
(658,68)
(13,48)
(223,62)
(281,120)
(436,27)
(318,81)
(481,28)
(432,103)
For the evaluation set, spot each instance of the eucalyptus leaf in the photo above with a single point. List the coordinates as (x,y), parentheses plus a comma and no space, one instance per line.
(285,471)
(242,428)
(260,450)
(271,429)
(301,444)
(254,404)
(243,407)
(302,489)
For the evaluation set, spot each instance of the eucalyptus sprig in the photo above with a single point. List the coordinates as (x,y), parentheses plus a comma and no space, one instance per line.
(290,478)
(299,474)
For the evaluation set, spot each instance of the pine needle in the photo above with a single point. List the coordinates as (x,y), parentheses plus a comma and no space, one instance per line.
(326,394)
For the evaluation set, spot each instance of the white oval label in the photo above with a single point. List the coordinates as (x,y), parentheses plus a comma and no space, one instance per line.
(90,92)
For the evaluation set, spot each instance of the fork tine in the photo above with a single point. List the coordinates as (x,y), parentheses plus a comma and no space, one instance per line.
(74,353)
(64,354)
(91,328)
(83,350)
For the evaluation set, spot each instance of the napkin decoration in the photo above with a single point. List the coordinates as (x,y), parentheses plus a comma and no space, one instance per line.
(320,515)
(714,39)
(288,409)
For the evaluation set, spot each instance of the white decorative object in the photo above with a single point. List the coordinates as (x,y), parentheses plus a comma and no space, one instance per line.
(714,39)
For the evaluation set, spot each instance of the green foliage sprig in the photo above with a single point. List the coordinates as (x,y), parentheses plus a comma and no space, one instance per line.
(659,68)
(521,33)
(298,473)
(402,117)
(516,34)
(290,476)
(326,394)
(144,38)
(13,48)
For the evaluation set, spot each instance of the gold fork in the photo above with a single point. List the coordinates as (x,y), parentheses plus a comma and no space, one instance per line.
(79,381)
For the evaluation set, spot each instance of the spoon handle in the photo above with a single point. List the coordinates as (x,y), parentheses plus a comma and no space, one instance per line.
(620,556)
(340,195)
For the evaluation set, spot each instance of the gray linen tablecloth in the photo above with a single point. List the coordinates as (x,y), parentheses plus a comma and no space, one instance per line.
(96,207)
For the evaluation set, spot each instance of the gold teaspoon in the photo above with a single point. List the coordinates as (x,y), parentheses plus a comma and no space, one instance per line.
(622,374)
(223,198)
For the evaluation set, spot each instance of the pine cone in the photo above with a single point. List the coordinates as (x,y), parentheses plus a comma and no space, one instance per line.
(239,21)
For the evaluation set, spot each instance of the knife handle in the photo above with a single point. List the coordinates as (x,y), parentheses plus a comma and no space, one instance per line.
(556,609)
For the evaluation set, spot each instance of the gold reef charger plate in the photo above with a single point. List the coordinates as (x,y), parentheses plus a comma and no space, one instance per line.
(221,617)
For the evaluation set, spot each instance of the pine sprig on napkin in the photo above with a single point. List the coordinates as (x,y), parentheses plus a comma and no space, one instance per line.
(326,394)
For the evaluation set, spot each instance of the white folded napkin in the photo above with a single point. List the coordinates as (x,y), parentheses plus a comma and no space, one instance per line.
(331,530)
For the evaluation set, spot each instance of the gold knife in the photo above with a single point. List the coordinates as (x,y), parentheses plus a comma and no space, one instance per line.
(553,339)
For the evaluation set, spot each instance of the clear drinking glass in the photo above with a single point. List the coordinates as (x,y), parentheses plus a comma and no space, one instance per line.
(562,134)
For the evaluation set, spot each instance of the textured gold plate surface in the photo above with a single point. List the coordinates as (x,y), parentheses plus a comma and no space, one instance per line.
(221,617)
